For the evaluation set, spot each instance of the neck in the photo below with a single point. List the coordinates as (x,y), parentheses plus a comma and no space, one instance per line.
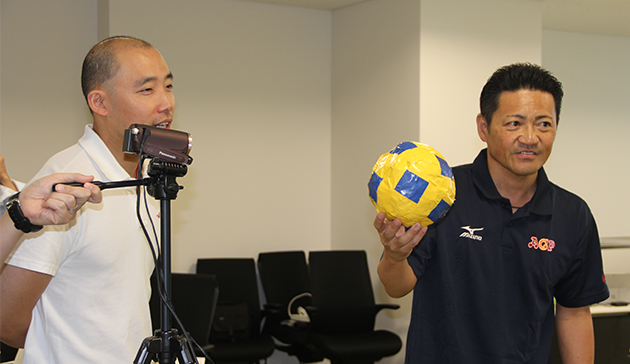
(129,162)
(518,189)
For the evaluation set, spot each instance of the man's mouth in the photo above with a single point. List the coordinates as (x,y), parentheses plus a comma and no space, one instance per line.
(164,125)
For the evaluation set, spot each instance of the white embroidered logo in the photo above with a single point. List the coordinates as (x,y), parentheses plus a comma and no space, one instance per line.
(470,234)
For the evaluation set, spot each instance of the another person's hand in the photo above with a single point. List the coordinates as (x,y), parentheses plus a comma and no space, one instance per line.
(43,207)
(397,241)
(5,180)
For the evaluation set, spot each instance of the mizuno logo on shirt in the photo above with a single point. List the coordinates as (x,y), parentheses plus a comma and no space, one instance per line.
(470,233)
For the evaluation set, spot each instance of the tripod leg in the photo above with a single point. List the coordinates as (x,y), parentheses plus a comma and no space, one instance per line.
(185,356)
(146,355)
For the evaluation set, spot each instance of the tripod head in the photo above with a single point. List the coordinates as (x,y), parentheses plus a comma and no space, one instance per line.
(162,185)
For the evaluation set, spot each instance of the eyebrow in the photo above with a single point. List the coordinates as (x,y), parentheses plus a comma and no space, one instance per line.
(523,117)
(151,79)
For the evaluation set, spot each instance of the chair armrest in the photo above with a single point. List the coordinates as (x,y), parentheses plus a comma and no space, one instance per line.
(311,310)
(271,308)
(390,306)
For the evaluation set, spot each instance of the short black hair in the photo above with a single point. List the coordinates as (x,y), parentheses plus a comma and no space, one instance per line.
(518,76)
(100,64)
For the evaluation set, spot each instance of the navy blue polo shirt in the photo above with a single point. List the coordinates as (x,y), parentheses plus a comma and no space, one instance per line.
(487,277)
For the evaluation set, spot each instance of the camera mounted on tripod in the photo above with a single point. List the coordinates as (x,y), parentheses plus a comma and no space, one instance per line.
(166,144)
(169,149)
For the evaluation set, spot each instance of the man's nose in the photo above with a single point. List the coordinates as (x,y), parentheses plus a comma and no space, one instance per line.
(167,101)
(529,135)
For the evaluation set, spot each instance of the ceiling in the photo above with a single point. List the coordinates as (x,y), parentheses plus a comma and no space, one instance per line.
(611,17)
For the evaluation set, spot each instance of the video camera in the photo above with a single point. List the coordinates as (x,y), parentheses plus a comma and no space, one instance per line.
(165,144)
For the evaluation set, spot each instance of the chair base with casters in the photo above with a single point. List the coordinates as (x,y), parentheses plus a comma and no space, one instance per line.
(343,349)
(233,352)
(293,338)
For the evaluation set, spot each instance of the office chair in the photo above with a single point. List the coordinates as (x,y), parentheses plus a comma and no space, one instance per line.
(194,298)
(239,288)
(285,281)
(344,311)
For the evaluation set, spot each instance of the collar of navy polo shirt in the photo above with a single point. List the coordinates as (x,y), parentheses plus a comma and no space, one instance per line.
(541,202)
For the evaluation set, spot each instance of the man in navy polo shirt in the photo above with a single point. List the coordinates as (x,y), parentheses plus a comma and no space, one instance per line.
(485,277)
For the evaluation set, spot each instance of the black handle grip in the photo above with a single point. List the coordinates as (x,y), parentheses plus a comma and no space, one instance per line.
(103,185)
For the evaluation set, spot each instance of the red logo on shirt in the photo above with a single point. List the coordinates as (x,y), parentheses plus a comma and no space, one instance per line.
(543,244)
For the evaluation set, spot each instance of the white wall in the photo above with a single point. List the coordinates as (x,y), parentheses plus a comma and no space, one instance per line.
(590,155)
(43,109)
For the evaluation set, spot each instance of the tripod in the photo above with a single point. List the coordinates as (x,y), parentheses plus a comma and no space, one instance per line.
(167,343)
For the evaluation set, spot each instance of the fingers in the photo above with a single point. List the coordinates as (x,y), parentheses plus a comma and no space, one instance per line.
(70,177)
(45,208)
(417,232)
(395,236)
(75,197)
(379,222)
(58,209)
(42,187)
(96,195)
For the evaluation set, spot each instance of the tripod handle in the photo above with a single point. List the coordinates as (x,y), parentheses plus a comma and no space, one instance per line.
(104,185)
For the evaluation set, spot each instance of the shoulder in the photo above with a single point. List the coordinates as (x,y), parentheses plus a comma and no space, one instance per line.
(462,170)
(565,201)
(72,159)
(463,175)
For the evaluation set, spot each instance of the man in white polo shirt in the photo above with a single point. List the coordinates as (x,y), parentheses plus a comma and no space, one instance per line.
(79,293)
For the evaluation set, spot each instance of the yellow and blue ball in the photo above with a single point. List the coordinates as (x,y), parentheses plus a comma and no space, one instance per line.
(412,182)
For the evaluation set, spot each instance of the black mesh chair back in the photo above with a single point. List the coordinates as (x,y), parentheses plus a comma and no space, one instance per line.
(342,292)
(284,277)
(238,285)
(343,312)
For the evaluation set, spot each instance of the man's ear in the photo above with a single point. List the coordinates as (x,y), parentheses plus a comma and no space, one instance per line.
(96,101)
(482,127)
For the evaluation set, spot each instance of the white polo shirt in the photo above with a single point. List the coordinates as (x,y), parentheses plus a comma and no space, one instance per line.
(95,309)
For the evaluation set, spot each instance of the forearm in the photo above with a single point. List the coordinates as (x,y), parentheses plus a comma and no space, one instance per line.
(397,277)
(13,334)
(576,340)
(20,289)
(9,236)
(15,319)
